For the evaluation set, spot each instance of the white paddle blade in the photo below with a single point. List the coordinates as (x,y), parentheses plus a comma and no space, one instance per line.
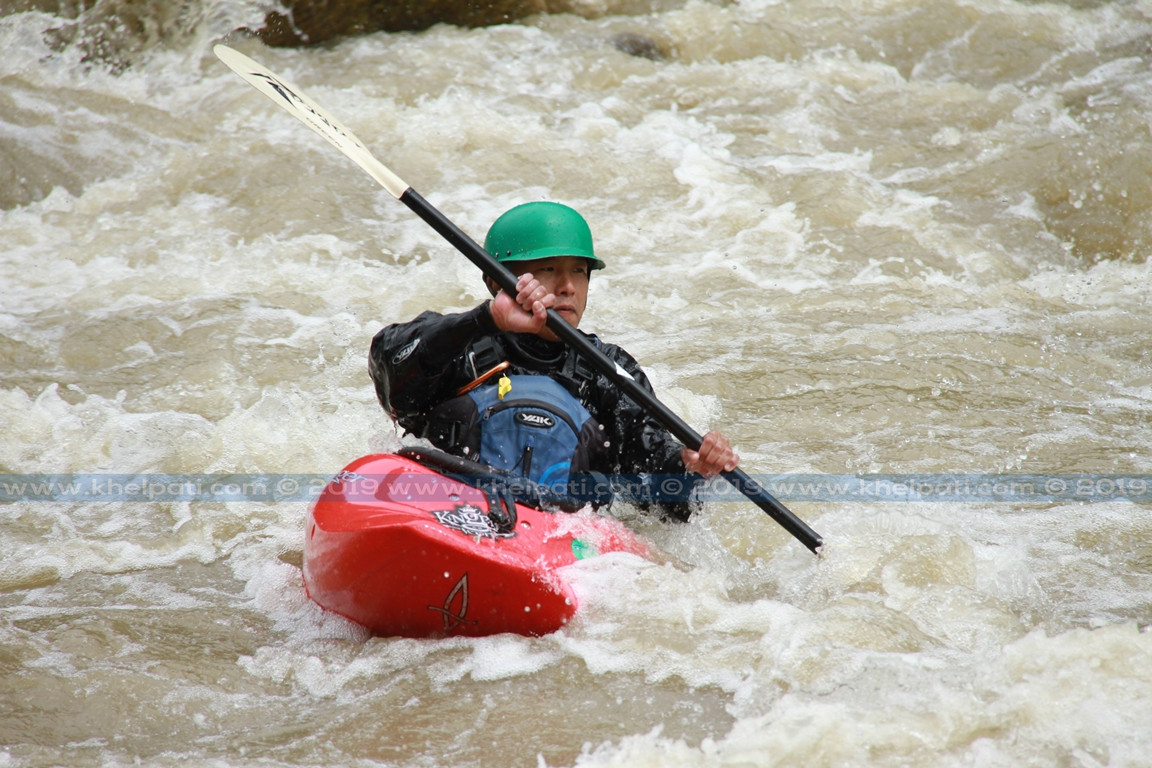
(293,101)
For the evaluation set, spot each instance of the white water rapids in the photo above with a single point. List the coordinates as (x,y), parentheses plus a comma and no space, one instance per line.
(861,238)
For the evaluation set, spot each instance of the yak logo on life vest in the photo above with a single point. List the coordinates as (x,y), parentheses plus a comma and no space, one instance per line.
(535,419)
(469,519)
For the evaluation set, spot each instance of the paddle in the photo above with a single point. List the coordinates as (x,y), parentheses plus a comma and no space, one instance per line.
(311,114)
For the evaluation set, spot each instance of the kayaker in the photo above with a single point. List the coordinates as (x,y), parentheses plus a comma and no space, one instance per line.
(420,368)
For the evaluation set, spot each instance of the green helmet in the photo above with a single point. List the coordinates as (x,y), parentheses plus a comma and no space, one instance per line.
(538,231)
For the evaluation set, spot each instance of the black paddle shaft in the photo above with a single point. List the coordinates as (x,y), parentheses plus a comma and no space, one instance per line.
(504,278)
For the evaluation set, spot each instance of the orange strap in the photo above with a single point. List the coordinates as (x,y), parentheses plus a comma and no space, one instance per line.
(482,378)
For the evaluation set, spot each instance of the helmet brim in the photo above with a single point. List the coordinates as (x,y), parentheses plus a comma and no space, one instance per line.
(550,253)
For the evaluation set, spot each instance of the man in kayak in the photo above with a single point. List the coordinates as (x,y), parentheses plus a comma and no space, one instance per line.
(423,369)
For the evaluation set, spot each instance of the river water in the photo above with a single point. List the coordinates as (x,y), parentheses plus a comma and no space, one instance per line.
(864,238)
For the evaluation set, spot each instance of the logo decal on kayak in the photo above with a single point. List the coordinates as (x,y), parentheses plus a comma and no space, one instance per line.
(471,520)
(455,607)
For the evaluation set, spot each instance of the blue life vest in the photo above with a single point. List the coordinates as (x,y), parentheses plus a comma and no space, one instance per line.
(528,426)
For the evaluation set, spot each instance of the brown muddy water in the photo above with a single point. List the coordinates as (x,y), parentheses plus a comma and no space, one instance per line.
(865,239)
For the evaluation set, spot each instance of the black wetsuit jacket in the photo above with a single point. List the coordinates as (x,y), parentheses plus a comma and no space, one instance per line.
(421,364)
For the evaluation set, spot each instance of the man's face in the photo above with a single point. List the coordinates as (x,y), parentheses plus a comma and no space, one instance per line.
(566,277)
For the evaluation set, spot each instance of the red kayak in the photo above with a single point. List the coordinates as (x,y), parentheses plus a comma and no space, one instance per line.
(404,550)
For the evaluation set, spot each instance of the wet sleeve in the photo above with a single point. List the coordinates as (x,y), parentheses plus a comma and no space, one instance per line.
(415,365)
(643,445)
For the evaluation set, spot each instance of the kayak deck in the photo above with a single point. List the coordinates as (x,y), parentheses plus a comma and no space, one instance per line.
(404,550)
